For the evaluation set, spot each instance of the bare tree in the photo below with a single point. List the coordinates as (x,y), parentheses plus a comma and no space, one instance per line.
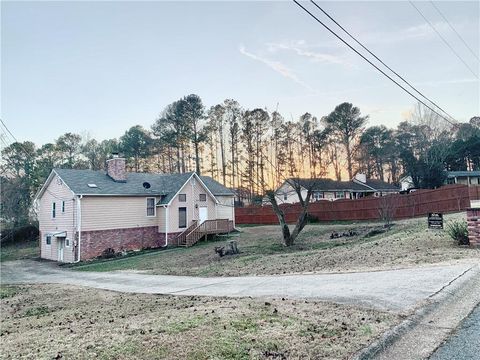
(387,206)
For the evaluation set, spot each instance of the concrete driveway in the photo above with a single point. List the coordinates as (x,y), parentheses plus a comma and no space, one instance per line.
(393,290)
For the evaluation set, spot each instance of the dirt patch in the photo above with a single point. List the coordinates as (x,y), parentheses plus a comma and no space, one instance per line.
(54,321)
(408,243)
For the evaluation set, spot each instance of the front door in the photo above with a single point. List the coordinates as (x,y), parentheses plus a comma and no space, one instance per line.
(60,247)
(202,214)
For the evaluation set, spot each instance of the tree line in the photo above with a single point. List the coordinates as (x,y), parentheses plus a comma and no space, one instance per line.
(253,150)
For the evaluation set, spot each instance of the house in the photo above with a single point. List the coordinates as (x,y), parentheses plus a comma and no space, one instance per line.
(406,183)
(463,177)
(84,213)
(328,189)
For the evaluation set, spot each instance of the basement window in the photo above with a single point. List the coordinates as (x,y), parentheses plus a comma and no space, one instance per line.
(92,185)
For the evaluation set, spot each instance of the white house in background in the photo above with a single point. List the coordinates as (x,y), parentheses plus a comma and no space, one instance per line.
(463,177)
(328,189)
(406,183)
(83,213)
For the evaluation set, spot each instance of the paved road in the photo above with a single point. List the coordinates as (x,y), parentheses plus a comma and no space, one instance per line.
(464,344)
(395,290)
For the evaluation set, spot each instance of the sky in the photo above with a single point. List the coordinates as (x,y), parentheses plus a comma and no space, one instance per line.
(99,68)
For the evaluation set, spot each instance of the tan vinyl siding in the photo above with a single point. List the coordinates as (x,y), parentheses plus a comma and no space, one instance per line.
(192,189)
(120,212)
(56,192)
(225,209)
(161,219)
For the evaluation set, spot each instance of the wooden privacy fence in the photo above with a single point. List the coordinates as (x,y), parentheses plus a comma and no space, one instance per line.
(448,198)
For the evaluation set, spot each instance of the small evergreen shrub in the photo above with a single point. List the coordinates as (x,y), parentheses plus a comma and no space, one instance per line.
(458,231)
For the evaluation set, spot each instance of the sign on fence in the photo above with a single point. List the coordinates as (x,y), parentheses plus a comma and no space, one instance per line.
(435,220)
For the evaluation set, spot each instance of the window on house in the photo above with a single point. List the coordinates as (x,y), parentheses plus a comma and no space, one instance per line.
(150,206)
(182,197)
(67,242)
(317,195)
(53,210)
(182,217)
(48,239)
(203,197)
(63,206)
(339,194)
(285,196)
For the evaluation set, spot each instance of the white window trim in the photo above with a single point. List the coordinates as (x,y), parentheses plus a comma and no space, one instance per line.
(46,243)
(180,201)
(67,239)
(154,206)
(53,209)
(199,197)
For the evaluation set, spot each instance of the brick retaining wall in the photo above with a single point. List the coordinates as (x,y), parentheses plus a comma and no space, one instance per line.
(473,223)
(95,242)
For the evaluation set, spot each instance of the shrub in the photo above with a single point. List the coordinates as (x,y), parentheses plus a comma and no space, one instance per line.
(108,253)
(458,231)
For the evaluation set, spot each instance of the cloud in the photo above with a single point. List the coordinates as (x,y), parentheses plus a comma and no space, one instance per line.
(276,66)
(416,32)
(447,82)
(302,48)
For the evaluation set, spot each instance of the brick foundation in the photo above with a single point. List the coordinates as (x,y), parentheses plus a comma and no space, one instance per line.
(473,223)
(94,243)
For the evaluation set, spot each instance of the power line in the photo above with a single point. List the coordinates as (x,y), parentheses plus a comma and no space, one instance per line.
(443,39)
(5,126)
(371,63)
(451,27)
(383,63)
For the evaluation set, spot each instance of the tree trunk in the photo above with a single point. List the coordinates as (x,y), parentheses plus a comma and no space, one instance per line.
(349,161)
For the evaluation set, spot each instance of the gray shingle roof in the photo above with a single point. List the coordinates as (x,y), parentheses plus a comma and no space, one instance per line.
(162,185)
(452,174)
(215,187)
(381,185)
(333,185)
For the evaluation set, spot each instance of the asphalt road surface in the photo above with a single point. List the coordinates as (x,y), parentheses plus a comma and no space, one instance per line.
(464,343)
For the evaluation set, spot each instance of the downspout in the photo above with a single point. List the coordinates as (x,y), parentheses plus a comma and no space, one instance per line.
(79,225)
(166,225)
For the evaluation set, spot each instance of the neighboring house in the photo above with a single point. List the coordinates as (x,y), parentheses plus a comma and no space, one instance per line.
(406,183)
(82,213)
(463,177)
(327,189)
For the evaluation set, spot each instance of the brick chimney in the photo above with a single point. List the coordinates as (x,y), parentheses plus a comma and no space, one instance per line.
(116,168)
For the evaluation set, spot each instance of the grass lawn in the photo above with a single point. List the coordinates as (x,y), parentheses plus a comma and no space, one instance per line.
(408,243)
(23,250)
(54,321)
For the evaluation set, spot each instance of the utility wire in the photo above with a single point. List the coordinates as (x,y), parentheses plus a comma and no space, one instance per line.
(383,63)
(5,126)
(451,27)
(443,39)
(375,66)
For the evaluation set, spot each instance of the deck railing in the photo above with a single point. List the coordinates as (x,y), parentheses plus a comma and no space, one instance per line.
(218,226)
(181,238)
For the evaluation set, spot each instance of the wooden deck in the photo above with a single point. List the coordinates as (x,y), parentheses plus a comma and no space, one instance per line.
(191,235)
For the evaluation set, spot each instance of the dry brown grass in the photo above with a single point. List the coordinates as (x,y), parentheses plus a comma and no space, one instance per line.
(408,243)
(48,321)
